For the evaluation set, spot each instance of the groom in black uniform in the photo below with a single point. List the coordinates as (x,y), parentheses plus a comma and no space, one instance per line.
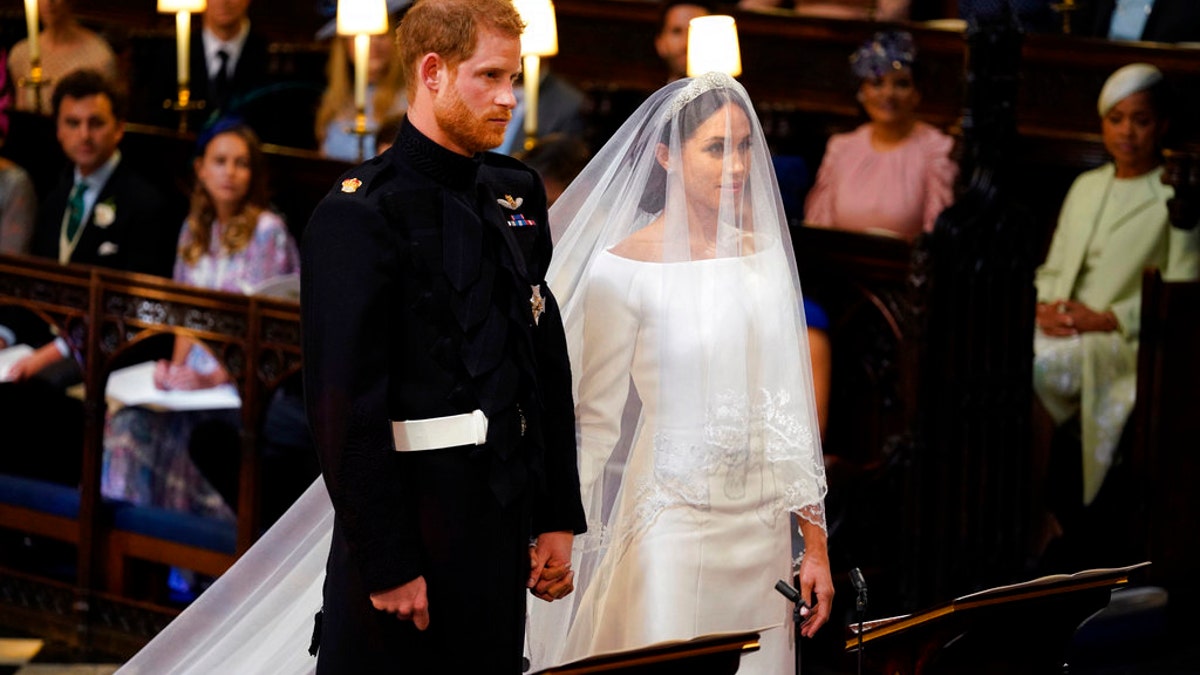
(436,372)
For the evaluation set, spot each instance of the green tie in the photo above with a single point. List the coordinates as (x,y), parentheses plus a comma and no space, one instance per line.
(75,209)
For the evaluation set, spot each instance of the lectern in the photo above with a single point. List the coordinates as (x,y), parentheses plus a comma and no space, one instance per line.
(1022,628)
(705,655)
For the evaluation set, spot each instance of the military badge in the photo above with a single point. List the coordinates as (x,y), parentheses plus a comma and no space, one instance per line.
(510,202)
(519,220)
(351,185)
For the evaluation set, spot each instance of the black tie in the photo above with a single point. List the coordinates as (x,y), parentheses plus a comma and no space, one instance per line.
(221,86)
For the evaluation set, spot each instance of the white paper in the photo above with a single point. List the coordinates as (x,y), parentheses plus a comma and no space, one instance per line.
(135,386)
(11,355)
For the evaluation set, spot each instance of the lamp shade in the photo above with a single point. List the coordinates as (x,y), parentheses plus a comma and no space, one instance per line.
(713,46)
(173,6)
(362,17)
(541,31)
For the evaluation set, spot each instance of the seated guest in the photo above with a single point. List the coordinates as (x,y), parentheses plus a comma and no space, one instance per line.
(227,67)
(102,213)
(893,175)
(386,96)
(1113,224)
(1145,20)
(18,200)
(231,241)
(65,46)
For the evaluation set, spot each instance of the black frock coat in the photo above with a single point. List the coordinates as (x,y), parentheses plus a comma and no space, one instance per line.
(417,276)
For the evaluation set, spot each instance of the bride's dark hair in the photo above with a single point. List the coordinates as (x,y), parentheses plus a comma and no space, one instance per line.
(691,115)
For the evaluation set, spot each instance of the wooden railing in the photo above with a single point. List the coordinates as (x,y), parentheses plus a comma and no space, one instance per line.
(111,316)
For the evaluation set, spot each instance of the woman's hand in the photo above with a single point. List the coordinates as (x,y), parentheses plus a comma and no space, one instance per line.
(1064,318)
(178,376)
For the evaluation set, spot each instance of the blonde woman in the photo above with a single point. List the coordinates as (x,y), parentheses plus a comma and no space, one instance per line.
(385,96)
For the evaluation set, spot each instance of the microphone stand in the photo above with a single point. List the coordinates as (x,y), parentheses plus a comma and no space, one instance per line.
(793,596)
(860,606)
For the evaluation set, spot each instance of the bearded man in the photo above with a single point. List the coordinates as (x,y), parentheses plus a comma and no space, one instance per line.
(436,373)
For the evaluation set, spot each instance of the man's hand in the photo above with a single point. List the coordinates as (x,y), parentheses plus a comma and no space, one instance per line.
(816,582)
(407,602)
(28,366)
(550,574)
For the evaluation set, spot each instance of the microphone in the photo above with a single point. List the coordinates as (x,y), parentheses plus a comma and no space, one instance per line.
(860,585)
(788,592)
(860,604)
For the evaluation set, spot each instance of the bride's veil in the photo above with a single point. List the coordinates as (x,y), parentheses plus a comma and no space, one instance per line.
(258,616)
(686,181)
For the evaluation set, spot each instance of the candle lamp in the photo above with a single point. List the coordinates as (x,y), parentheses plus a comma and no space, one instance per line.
(361,19)
(36,79)
(713,46)
(1066,8)
(539,39)
(182,9)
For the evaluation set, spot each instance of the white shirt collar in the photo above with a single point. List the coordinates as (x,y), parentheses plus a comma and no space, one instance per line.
(96,180)
(213,44)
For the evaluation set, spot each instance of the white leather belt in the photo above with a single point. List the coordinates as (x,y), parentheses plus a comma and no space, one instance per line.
(440,432)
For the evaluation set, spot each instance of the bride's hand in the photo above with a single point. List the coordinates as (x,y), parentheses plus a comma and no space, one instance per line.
(550,574)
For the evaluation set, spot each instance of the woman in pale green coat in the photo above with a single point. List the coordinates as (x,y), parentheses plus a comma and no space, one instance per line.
(1112,225)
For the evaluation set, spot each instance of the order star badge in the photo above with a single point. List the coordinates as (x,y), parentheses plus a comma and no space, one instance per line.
(351,185)
(537,303)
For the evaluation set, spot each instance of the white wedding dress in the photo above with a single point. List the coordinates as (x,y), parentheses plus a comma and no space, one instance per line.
(694,540)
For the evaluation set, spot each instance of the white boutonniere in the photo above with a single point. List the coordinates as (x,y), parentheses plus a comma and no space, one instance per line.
(105,213)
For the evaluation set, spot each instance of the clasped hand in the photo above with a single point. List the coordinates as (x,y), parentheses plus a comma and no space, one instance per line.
(550,575)
(169,376)
(1064,318)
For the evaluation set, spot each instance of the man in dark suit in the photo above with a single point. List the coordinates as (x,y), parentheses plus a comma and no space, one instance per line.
(100,213)
(436,372)
(229,60)
(1165,20)
(227,70)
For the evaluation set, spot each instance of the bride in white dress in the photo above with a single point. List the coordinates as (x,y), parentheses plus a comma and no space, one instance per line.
(698,437)
(699,447)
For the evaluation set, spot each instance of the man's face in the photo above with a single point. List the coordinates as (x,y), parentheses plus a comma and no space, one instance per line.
(88,131)
(672,42)
(225,14)
(476,105)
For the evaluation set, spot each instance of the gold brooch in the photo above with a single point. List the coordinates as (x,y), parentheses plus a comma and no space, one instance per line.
(351,185)
(537,303)
(510,202)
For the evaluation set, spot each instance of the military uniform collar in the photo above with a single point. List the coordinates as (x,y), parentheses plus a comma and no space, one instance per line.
(444,166)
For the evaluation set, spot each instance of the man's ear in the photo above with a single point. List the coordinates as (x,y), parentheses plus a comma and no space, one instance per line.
(662,154)
(432,70)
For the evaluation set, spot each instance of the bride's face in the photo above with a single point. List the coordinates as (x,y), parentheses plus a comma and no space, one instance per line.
(716,159)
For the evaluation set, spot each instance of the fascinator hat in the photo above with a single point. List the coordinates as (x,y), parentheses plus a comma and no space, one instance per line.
(885,52)
(1125,82)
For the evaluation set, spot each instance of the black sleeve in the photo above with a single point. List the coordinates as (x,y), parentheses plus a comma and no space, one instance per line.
(562,507)
(348,282)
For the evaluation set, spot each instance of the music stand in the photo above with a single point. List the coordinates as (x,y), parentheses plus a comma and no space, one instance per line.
(1020,628)
(705,655)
